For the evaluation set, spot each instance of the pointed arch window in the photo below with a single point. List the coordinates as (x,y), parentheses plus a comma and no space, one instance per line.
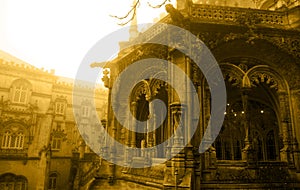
(13,140)
(20,91)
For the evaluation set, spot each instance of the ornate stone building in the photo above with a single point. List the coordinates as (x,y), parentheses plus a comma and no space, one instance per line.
(40,146)
(257,49)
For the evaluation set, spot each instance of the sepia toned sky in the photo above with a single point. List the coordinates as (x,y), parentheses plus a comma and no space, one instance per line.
(56,34)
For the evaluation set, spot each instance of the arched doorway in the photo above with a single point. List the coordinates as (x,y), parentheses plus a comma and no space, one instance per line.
(252,126)
(151,115)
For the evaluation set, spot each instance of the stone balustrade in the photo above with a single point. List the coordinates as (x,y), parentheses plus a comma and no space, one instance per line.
(221,14)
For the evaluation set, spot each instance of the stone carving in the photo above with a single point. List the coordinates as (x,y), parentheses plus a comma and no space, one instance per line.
(106,78)
(156,85)
(176,16)
(263,77)
(270,173)
(288,44)
(223,174)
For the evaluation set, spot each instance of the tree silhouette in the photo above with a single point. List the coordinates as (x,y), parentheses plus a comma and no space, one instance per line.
(131,14)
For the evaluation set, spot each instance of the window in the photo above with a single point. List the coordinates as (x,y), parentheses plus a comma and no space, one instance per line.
(60,108)
(85,111)
(10,181)
(56,143)
(20,91)
(52,182)
(229,143)
(20,94)
(13,140)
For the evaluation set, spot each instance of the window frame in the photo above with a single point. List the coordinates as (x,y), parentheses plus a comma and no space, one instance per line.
(60,108)
(52,181)
(85,110)
(56,143)
(13,141)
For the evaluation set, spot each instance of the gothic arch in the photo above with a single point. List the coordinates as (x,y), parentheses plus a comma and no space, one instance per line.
(142,88)
(280,96)
(264,73)
(23,82)
(20,91)
(156,85)
(269,53)
(232,73)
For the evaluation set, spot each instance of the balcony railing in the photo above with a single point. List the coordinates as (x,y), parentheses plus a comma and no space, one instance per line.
(200,13)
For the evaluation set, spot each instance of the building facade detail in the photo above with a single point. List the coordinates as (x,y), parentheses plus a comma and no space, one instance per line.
(256,50)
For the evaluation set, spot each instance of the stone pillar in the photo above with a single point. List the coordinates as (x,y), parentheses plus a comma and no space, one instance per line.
(178,160)
(285,120)
(296,154)
(151,136)
(284,152)
(104,150)
(44,166)
(150,127)
(128,141)
(133,124)
(207,139)
(113,152)
(247,152)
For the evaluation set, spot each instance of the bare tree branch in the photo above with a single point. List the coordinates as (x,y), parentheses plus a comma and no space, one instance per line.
(131,11)
(159,5)
(132,17)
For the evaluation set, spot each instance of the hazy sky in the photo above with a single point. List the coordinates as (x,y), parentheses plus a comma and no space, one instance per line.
(56,34)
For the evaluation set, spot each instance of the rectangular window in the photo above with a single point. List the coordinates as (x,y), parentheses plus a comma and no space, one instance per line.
(52,182)
(20,95)
(60,108)
(85,111)
(56,143)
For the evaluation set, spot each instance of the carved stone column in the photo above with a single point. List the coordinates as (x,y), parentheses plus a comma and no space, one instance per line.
(207,138)
(178,160)
(133,124)
(285,151)
(247,152)
(209,155)
(113,152)
(104,149)
(177,111)
(151,136)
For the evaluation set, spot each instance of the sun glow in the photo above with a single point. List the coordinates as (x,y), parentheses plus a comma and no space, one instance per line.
(57,34)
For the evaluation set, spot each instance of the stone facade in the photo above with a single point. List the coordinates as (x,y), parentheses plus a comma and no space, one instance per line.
(40,142)
(257,147)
